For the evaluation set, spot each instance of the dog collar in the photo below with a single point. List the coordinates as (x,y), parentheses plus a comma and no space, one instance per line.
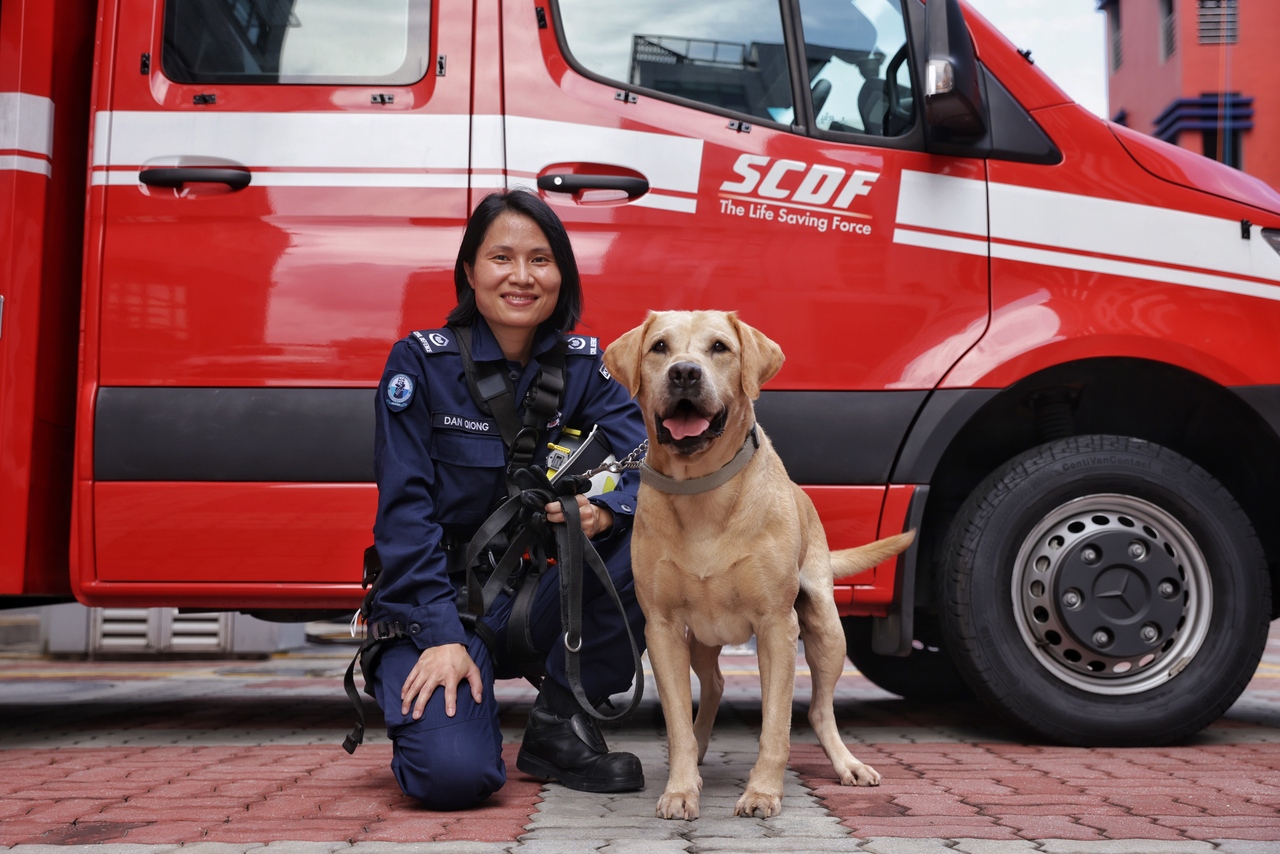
(706,483)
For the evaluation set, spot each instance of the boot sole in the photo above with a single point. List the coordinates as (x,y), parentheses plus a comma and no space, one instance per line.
(543,770)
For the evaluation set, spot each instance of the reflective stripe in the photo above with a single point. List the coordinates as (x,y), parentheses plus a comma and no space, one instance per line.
(26,129)
(1084,233)
(401,150)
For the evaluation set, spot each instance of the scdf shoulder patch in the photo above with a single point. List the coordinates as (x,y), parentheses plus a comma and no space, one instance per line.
(398,392)
(436,341)
(583,345)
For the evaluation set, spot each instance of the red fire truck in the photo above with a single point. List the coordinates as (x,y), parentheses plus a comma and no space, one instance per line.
(1046,342)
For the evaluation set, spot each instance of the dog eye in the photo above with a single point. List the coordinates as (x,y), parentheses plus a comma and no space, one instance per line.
(659,346)
(719,347)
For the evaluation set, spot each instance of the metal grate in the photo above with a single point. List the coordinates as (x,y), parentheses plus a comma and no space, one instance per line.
(145,630)
(1217,22)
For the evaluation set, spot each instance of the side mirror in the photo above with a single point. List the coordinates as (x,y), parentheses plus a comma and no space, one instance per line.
(952,93)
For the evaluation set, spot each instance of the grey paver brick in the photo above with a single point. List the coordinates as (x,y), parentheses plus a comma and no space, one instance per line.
(1125,846)
(889,845)
(995,846)
(775,846)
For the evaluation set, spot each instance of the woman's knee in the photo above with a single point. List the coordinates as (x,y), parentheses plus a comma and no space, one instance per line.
(445,769)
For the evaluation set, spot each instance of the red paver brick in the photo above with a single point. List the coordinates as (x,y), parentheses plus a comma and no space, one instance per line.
(166,832)
(401,830)
(920,827)
(484,830)
(68,810)
(1049,827)
(1130,827)
(312,830)
(1148,804)
(286,807)
(935,805)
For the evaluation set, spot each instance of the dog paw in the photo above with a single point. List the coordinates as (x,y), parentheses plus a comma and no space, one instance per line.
(858,774)
(678,805)
(761,804)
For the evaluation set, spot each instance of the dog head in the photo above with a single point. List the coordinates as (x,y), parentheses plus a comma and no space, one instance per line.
(695,374)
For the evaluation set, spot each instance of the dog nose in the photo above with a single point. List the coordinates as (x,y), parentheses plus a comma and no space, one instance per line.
(684,375)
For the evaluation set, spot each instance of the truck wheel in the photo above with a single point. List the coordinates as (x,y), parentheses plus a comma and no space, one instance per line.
(926,673)
(1102,590)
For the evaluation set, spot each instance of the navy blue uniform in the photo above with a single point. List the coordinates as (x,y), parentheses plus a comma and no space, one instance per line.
(440,465)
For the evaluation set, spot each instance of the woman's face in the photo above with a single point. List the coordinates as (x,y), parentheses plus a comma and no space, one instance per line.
(515,277)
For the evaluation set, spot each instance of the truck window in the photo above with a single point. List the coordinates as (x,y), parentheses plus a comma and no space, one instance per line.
(859,71)
(729,54)
(296,41)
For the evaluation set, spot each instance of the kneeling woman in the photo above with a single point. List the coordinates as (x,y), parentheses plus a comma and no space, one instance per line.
(440,465)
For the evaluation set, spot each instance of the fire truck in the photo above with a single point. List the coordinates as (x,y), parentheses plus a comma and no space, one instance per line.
(1044,341)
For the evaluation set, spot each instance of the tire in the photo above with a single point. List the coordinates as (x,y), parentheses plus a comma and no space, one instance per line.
(1102,590)
(926,673)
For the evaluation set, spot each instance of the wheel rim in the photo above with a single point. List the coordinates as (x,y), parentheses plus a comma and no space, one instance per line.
(1112,594)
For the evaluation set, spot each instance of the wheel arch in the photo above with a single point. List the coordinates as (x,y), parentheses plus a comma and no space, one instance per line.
(963,435)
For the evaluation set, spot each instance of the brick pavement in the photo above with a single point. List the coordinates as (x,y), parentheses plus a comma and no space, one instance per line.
(140,758)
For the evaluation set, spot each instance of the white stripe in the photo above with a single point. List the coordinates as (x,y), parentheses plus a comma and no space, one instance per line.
(26,123)
(1141,233)
(1135,270)
(672,163)
(392,180)
(943,202)
(297,140)
(944,242)
(19,163)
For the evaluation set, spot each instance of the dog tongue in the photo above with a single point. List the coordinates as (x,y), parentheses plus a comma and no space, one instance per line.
(683,426)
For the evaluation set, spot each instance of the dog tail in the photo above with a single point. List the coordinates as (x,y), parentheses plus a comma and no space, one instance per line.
(847,563)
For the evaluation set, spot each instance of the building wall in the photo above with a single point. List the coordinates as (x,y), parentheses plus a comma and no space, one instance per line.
(1143,86)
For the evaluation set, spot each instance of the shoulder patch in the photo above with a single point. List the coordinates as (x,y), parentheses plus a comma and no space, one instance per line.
(398,391)
(583,345)
(604,372)
(436,341)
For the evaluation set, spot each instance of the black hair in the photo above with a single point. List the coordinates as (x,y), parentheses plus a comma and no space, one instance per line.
(568,310)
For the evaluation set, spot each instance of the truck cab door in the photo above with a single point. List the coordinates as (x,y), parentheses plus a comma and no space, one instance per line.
(278,191)
(729,155)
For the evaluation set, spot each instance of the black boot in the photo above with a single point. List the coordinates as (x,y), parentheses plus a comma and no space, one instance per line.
(564,743)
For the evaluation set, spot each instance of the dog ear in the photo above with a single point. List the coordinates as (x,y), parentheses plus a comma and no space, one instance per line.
(622,357)
(761,357)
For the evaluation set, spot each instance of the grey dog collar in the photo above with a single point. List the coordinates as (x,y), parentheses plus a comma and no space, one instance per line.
(706,483)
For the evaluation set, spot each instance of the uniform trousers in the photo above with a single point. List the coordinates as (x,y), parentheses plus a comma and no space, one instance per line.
(451,763)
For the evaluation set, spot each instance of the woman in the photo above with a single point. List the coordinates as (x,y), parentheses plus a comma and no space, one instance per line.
(440,464)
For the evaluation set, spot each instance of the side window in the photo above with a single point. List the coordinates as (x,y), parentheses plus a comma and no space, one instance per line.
(859,71)
(296,41)
(729,54)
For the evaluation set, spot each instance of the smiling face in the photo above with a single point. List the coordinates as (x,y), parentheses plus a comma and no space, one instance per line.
(516,282)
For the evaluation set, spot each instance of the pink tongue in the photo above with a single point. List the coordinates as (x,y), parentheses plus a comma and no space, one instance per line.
(683,426)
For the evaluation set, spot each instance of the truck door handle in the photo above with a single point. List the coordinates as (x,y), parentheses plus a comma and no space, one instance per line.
(177,176)
(573,183)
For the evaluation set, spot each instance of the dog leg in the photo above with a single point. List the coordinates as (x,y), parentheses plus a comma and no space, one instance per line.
(776,642)
(824,651)
(669,654)
(706,663)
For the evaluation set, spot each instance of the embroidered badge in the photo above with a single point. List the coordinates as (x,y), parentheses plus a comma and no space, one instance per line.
(399,392)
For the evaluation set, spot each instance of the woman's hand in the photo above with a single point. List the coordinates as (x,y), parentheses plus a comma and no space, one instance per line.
(595,519)
(447,665)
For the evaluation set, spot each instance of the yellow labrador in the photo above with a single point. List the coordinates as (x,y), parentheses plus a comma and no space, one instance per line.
(725,547)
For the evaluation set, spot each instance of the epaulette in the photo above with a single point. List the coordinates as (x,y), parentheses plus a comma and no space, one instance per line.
(436,340)
(582,345)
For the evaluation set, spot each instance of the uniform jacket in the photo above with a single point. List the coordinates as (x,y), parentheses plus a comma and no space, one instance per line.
(440,462)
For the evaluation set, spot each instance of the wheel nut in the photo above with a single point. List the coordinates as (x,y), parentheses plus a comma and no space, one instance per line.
(1166,589)
(1071,599)
(1101,637)
(1090,555)
(1149,633)
(1137,550)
